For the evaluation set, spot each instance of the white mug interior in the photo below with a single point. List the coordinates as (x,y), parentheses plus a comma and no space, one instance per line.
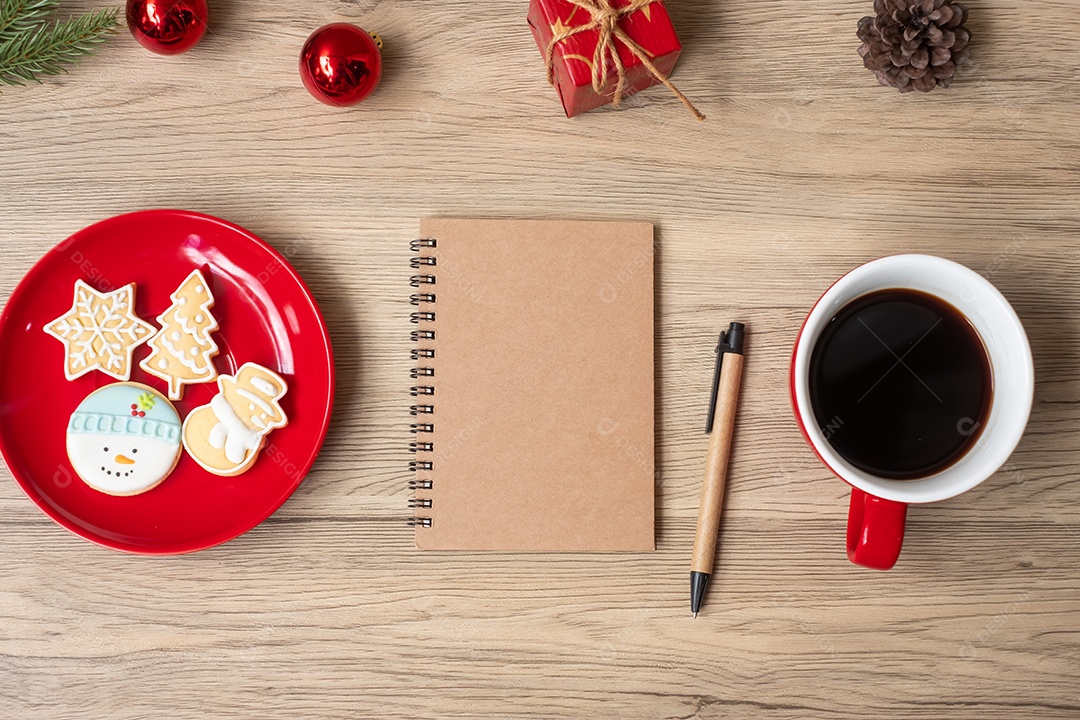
(1006,345)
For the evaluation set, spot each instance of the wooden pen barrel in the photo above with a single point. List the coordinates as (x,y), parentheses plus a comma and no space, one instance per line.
(716,463)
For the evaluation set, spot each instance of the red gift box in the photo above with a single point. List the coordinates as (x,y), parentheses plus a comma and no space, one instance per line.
(572,59)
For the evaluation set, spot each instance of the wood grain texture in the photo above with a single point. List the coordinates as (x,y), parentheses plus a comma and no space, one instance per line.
(804,169)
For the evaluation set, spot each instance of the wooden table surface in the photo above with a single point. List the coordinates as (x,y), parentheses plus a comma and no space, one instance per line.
(804,169)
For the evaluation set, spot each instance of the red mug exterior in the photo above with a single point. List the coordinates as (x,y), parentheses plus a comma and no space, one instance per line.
(875,530)
(878,507)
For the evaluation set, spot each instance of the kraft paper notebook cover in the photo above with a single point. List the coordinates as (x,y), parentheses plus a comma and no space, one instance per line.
(533,386)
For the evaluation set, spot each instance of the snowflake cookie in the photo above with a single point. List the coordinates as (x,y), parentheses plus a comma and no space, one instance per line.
(182,350)
(100,331)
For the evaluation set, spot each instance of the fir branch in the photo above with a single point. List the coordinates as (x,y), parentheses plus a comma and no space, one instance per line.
(20,16)
(45,49)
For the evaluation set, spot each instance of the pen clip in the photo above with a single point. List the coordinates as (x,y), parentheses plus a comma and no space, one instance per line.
(731,341)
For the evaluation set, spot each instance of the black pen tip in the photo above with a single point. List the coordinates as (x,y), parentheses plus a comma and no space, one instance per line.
(698,582)
(736,336)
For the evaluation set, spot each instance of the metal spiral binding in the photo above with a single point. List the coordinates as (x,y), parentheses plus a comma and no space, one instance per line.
(417,317)
(420,244)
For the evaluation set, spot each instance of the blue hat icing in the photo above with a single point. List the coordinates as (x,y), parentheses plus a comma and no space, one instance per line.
(108,411)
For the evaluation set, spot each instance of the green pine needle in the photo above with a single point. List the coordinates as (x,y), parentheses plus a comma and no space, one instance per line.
(20,16)
(45,48)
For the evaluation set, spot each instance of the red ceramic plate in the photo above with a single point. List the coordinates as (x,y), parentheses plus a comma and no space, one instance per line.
(267,316)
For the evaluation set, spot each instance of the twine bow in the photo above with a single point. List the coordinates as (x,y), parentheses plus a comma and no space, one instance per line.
(604,18)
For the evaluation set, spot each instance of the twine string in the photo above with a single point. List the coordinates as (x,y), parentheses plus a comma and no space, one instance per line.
(604,18)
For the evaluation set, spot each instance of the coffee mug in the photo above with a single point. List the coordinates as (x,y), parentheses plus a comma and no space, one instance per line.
(879,505)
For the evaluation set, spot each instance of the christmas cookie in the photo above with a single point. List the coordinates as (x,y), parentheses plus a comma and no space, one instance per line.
(124,439)
(182,350)
(100,331)
(225,436)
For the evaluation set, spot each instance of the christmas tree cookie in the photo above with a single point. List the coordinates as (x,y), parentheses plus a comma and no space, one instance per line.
(100,331)
(182,350)
(225,436)
(124,439)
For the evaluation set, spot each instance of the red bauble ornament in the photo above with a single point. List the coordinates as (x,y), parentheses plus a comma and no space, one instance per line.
(167,27)
(341,64)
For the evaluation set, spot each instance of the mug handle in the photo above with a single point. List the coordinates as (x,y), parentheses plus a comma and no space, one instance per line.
(875,530)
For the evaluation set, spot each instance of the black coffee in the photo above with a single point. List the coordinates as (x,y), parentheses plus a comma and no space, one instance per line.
(900,384)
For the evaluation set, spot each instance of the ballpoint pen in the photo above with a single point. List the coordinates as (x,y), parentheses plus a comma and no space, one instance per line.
(720,427)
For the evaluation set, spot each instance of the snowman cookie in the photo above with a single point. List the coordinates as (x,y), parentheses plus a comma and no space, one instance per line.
(225,436)
(124,439)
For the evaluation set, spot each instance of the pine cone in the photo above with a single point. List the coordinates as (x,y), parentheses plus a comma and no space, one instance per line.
(914,44)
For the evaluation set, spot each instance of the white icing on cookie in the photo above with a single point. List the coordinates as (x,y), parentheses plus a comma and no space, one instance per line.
(225,435)
(236,437)
(120,466)
(123,439)
(100,331)
(248,395)
(183,350)
(264,386)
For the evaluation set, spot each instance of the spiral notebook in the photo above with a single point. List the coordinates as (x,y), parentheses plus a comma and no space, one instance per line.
(533,414)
